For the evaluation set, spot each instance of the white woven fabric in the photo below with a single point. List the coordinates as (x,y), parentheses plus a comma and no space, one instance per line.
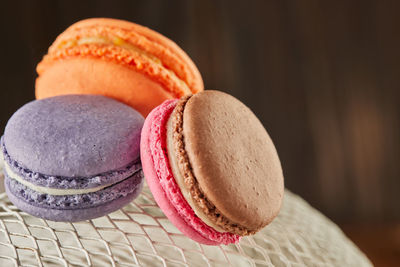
(140,235)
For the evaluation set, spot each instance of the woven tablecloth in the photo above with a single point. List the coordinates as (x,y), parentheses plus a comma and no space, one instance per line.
(140,235)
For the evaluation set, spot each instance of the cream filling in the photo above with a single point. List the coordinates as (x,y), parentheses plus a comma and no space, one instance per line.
(179,178)
(121,43)
(47,190)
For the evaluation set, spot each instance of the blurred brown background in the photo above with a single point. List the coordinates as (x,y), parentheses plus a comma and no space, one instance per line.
(323,77)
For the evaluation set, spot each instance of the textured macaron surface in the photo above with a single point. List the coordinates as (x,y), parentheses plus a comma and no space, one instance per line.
(73,136)
(235,173)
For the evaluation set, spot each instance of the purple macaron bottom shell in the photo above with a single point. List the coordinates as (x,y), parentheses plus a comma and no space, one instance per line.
(77,213)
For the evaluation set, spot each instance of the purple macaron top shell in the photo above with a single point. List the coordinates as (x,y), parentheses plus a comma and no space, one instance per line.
(74,136)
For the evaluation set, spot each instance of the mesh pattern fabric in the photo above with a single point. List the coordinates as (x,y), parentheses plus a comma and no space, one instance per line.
(140,235)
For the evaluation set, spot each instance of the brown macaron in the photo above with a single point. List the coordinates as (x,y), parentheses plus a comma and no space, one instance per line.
(229,164)
(222,160)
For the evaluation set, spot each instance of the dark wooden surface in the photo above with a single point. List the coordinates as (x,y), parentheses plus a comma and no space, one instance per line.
(323,77)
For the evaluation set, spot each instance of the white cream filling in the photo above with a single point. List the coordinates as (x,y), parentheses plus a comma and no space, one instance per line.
(47,190)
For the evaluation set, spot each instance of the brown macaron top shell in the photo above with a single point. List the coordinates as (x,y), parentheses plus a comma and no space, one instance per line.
(230,166)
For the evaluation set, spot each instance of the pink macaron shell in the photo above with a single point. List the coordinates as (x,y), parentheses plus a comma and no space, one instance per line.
(162,184)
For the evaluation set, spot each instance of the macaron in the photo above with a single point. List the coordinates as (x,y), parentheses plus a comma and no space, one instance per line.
(72,158)
(212,167)
(117,59)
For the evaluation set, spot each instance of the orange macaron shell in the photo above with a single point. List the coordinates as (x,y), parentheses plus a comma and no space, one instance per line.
(106,78)
(164,69)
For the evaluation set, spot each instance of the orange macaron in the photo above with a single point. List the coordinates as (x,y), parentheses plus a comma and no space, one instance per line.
(117,59)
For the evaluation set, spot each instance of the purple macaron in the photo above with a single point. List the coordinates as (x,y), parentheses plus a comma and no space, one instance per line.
(72,157)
